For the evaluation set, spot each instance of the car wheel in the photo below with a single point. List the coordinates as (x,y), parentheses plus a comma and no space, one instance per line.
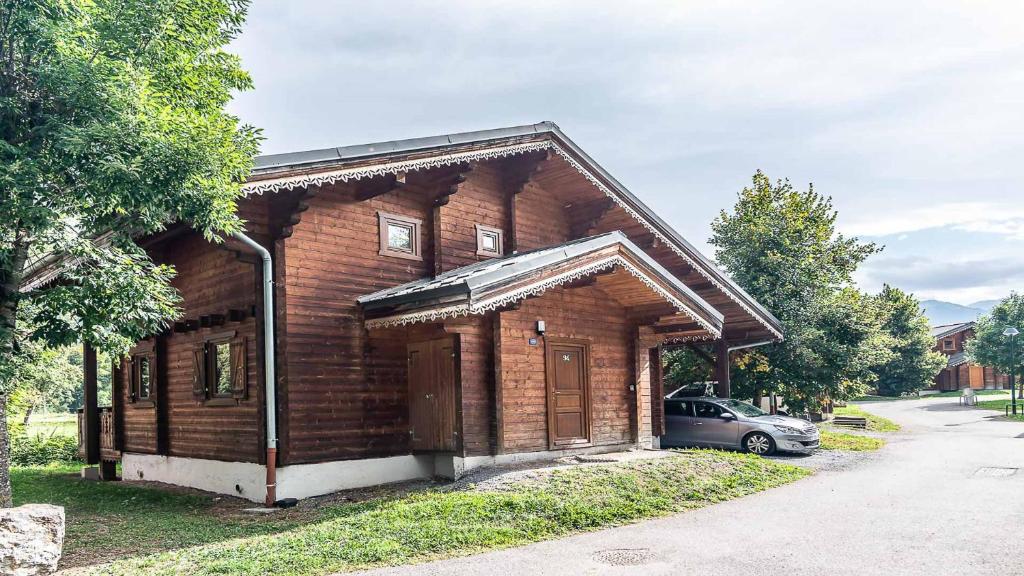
(758,443)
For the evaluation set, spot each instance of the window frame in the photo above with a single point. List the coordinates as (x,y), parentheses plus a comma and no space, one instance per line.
(384,220)
(143,352)
(949,344)
(207,346)
(499,241)
(210,352)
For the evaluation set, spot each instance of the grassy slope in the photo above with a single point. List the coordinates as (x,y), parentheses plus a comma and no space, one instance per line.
(110,520)
(875,423)
(831,440)
(397,530)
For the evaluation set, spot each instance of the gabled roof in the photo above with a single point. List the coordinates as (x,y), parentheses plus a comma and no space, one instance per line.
(330,165)
(491,284)
(957,359)
(950,329)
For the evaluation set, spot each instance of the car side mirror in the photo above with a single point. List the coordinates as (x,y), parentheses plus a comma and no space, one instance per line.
(727,416)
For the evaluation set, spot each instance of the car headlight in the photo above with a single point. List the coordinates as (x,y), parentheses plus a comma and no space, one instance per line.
(789,430)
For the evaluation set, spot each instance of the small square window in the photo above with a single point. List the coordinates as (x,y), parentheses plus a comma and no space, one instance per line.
(399,236)
(948,345)
(488,241)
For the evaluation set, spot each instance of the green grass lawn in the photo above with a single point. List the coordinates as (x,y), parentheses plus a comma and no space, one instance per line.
(52,425)
(831,440)
(146,530)
(876,398)
(1000,406)
(875,423)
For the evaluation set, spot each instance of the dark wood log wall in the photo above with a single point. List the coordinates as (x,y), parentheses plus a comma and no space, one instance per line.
(541,219)
(211,280)
(336,407)
(477,408)
(479,200)
(584,313)
(342,393)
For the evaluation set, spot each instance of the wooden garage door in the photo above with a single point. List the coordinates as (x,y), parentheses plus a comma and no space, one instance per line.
(568,383)
(432,376)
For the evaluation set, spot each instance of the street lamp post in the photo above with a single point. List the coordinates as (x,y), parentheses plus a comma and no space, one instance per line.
(1011,333)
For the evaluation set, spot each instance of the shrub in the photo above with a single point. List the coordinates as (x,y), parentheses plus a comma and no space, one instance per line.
(40,450)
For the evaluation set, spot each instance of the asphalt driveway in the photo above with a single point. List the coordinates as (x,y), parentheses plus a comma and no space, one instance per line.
(942,498)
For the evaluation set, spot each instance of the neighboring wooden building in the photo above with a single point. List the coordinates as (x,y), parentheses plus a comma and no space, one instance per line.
(439,304)
(959,372)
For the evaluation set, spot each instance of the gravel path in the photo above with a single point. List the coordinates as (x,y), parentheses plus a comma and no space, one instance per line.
(945,496)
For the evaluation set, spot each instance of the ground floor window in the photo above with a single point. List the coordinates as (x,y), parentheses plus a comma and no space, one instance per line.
(142,374)
(220,368)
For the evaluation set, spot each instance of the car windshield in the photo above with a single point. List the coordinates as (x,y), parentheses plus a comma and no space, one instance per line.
(742,407)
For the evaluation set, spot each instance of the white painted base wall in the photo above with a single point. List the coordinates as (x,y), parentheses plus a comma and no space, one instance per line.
(306,480)
(247,480)
(242,479)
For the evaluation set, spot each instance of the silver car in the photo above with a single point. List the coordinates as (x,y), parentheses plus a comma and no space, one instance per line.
(727,423)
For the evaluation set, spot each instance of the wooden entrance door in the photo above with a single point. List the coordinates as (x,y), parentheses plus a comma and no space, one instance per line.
(568,382)
(432,382)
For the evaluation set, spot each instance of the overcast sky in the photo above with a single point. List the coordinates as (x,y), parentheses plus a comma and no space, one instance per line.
(909,114)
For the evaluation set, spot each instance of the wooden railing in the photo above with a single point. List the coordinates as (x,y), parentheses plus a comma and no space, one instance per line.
(108,445)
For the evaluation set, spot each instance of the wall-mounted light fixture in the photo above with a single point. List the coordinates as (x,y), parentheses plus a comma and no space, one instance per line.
(541,327)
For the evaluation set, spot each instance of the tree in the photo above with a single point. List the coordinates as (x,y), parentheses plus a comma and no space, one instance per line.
(684,365)
(781,246)
(914,364)
(112,125)
(50,380)
(990,348)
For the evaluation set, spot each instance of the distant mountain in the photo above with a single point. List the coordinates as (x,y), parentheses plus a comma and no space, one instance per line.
(939,312)
(985,306)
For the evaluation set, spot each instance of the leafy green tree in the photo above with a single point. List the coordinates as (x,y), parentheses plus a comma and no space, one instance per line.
(781,245)
(112,125)
(990,348)
(914,364)
(684,365)
(50,381)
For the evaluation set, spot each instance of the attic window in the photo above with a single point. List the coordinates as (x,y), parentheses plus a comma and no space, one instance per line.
(399,236)
(488,241)
(948,345)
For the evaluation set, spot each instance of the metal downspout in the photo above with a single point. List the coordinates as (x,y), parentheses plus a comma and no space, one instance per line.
(270,378)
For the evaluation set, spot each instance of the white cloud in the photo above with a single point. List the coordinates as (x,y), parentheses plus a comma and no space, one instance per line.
(986,217)
(907,113)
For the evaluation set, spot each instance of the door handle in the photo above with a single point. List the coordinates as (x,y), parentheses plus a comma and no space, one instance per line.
(698,423)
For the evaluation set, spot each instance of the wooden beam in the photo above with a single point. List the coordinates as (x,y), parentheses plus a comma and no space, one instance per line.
(291,209)
(91,408)
(518,173)
(587,215)
(378,187)
(670,328)
(724,388)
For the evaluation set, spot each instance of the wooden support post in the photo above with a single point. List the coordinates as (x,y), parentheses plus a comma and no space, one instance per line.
(657,392)
(92,412)
(722,368)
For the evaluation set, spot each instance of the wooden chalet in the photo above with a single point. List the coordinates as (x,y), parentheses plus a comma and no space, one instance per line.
(437,304)
(959,372)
